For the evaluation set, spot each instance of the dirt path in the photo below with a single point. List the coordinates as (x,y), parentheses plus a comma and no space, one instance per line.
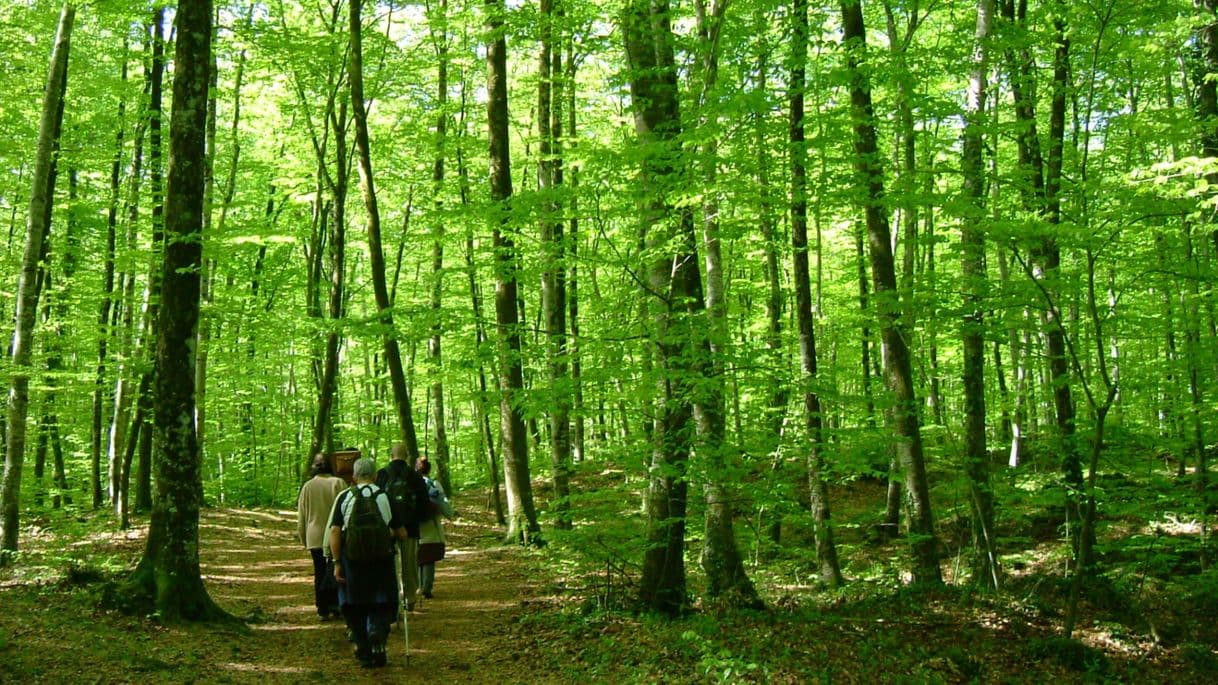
(253,565)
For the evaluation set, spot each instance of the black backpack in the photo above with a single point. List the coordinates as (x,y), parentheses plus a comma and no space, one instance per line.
(366,536)
(402,499)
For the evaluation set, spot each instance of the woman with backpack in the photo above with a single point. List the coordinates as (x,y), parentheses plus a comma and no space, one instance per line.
(431,531)
(363,531)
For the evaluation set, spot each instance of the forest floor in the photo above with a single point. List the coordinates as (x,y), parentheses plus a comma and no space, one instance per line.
(254,568)
(505,614)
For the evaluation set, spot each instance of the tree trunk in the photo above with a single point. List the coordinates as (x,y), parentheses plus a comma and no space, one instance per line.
(1207,113)
(897,370)
(168,575)
(376,256)
(143,486)
(905,171)
(1048,254)
(481,395)
(976,292)
(1041,191)
(331,222)
(826,550)
(932,329)
(440,40)
(522,516)
(209,266)
(107,300)
(726,578)
(1170,428)
(124,312)
(553,279)
(776,359)
(578,413)
(680,349)
(26,300)
(1016,341)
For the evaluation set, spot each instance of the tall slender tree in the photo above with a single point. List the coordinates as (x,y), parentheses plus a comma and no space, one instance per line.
(393,355)
(972,269)
(554,277)
(522,515)
(1207,114)
(37,225)
(1041,188)
(727,580)
(898,373)
(107,295)
(439,36)
(826,550)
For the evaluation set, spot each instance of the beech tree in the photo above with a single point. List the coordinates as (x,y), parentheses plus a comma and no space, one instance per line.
(898,374)
(168,576)
(972,270)
(37,225)
(818,488)
(522,514)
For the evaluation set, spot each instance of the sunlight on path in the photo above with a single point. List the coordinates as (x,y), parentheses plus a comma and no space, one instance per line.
(253,567)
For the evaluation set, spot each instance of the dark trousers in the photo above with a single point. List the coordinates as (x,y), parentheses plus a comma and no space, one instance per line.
(325,591)
(369,626)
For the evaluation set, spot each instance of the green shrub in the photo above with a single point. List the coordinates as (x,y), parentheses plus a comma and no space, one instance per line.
(1069,653)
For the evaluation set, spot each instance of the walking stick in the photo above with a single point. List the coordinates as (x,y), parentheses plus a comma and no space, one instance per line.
(404,608)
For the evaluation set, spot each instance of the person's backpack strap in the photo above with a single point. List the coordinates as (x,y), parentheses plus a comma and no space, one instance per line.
(346,503)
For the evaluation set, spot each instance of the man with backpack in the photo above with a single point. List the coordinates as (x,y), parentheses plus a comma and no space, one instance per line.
(408,497)
(363,531)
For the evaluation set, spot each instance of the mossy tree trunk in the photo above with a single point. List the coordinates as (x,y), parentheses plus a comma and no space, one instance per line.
(168,576)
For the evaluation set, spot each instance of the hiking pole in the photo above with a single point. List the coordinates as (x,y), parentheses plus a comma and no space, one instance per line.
(405,608)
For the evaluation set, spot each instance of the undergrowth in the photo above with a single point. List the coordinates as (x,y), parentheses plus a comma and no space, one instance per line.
(1147,606)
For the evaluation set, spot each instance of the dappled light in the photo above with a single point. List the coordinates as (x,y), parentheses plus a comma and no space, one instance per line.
(701,342)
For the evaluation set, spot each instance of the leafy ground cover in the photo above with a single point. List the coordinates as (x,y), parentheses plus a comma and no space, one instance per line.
(562,613)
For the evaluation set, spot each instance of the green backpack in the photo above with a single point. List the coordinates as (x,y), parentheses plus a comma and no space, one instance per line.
(366,536)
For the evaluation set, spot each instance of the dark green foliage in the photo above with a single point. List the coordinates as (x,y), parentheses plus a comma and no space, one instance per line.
(1203,595)
(78,574)
(1201,657)
(1069,653)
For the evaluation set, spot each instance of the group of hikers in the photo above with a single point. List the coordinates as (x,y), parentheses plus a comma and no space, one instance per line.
(355,529)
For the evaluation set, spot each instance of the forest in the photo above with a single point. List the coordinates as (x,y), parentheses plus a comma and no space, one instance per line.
(755,340)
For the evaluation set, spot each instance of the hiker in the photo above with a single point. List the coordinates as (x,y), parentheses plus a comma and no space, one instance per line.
(313,507)
(431,532)
(362,534)
(408,496)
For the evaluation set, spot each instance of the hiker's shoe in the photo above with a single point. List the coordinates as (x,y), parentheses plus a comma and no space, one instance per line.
(427,595)
(379,657)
